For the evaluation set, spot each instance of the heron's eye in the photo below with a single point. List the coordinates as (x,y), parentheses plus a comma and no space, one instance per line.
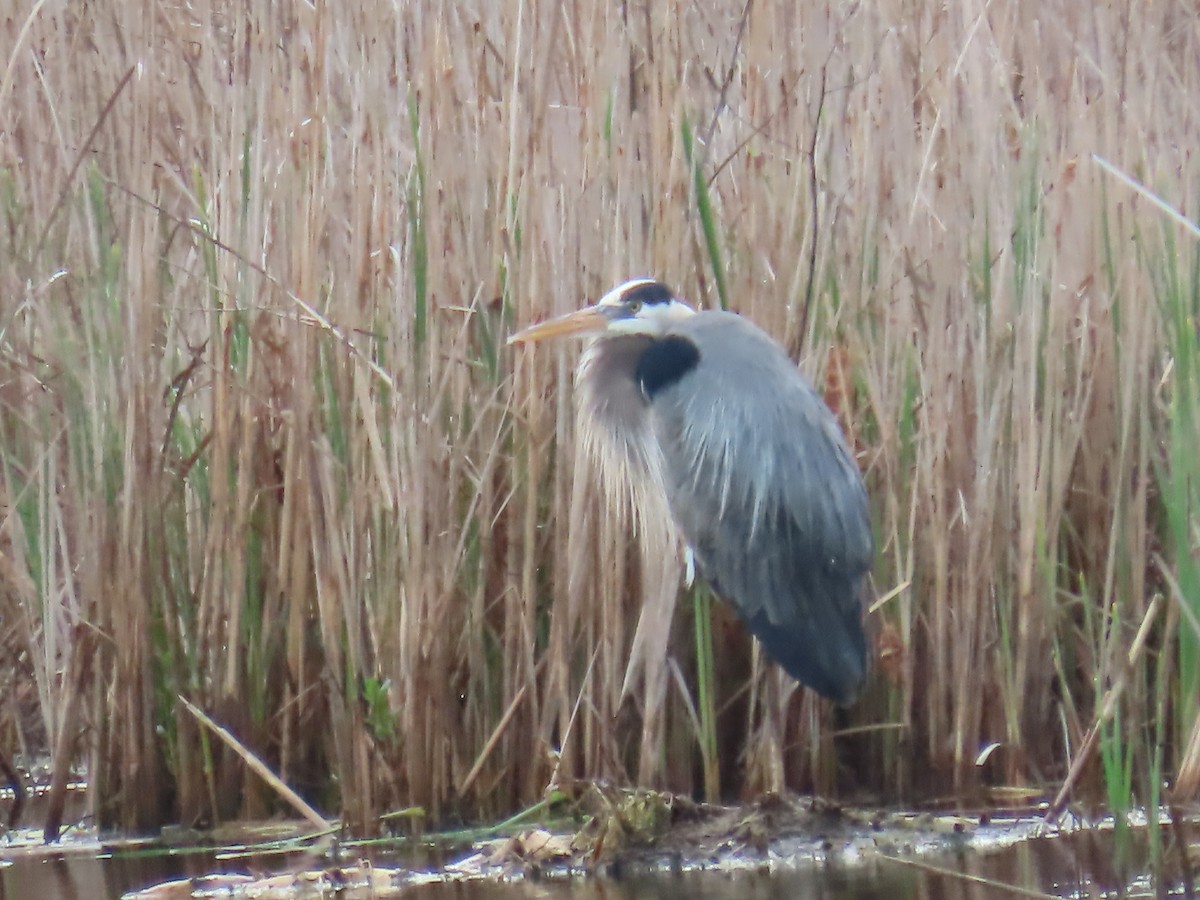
(634,307)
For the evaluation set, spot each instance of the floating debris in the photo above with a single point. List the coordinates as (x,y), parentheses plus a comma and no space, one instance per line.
(638,832)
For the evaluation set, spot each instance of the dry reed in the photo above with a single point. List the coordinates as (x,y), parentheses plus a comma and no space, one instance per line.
(261,445)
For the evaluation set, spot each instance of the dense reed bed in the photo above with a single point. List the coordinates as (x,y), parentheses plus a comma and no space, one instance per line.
(262,445)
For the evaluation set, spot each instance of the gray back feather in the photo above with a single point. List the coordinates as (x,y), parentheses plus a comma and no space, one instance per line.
(762,486)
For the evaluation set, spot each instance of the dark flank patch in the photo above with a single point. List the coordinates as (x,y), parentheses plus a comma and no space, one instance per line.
(648,294)
(664,363)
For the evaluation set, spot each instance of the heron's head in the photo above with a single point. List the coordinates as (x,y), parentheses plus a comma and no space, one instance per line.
(641,306)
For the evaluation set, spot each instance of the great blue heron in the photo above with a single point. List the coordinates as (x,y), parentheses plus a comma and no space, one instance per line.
(705,410)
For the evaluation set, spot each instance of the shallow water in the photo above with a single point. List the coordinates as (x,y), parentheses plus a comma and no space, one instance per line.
(908,863)
(1031,865)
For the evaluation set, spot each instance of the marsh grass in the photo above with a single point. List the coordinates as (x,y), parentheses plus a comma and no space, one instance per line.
(262,447)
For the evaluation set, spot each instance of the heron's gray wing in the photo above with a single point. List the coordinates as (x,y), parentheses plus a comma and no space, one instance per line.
(763,488)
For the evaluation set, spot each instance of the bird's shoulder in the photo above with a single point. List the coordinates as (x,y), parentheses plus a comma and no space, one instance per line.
(733,336)
(742,375)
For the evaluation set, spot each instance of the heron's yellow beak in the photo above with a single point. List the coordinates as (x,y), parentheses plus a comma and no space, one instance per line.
(589,320)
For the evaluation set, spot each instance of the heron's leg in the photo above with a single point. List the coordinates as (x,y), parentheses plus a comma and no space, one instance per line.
(689,566)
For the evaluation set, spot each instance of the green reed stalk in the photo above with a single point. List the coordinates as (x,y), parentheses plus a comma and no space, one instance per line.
(706,691)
